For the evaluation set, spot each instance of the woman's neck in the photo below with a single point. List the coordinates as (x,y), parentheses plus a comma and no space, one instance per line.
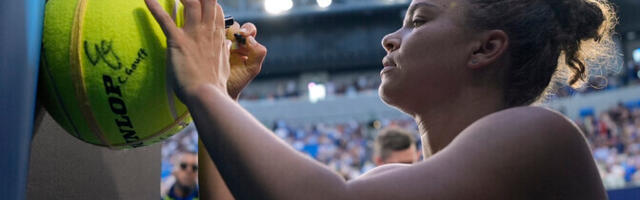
(438,126)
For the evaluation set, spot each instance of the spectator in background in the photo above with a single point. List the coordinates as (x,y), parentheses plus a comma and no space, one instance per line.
(185,171)
(394,145)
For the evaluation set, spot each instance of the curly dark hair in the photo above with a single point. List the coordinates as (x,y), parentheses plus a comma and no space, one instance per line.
(550,40)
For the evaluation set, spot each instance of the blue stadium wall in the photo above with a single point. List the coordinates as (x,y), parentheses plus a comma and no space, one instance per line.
(624,194)
(20,36)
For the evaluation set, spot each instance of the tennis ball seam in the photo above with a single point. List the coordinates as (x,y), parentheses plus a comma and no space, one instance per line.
(60,100)
(77,74)
(177,122)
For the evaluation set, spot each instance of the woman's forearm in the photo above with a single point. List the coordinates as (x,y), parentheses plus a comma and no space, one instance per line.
(254,163)
(212,185)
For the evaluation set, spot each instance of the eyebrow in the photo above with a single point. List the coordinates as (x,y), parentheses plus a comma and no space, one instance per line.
(415,7)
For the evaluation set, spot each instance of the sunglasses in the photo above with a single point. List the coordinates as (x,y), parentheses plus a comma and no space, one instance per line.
(184,166)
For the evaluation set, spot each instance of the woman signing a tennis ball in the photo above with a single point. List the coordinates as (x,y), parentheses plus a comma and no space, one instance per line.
(466,70)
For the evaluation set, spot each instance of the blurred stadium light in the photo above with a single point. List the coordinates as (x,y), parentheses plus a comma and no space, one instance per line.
(277,6)
(324,3)
(316,92)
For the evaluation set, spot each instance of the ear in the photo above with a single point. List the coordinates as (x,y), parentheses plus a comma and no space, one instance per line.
(489,49)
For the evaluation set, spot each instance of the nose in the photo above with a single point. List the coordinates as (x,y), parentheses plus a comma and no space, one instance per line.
(391,42)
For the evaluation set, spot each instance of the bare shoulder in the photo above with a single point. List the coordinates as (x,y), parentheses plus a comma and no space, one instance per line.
(527,121)
(518,153)
(534,150)
(528,133)
(523,131)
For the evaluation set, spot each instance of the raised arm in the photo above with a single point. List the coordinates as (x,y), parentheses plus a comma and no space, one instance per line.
(245,61)
(211,184)
(254,163)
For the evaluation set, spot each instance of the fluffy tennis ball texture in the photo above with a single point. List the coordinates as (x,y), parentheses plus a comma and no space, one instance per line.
(103,76)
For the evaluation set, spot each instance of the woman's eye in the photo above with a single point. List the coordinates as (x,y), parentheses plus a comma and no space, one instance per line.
(417,22)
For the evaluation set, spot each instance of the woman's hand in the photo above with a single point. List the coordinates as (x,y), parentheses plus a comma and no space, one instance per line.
(246,59)
(198,53)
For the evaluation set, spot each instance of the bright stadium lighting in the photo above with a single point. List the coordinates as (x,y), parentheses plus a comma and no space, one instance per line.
(277,6)
(316,92)
(636,55)
(324,3)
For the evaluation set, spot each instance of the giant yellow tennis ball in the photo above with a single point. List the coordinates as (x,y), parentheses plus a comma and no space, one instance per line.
(103,77)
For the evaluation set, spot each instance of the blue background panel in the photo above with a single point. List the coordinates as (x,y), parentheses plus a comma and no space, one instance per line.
(20,39)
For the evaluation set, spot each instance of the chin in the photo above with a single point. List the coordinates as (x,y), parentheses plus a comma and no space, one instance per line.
(396,97)
(388,94)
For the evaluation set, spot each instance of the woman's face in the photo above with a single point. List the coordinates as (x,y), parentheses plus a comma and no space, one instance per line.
(426,58)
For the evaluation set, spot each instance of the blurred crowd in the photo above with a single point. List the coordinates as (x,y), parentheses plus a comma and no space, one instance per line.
(614,136)
(346,148)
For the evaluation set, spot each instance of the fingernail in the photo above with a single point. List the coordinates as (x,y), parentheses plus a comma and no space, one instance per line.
(252,41)
(243,30)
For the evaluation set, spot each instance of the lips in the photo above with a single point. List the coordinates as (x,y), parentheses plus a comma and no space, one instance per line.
(388,62)
(386,69)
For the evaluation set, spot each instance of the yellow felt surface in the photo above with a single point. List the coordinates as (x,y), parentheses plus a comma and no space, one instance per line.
(120,40)
(56,88)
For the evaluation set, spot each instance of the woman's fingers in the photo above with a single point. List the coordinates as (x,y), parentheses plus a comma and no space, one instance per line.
(198,53)
(219,19)
(256,52)
(208,12)
(192,14)
(227,53)
(250,29)
(217,32)
(226,68)
(162,17)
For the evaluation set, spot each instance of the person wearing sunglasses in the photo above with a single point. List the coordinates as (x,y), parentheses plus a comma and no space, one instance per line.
(185,172)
